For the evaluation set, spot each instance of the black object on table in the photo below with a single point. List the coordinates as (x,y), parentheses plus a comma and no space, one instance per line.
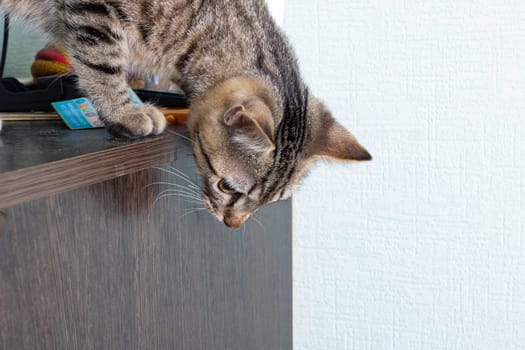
(37,97)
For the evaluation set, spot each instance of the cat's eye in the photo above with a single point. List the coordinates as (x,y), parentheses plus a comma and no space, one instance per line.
(226,187)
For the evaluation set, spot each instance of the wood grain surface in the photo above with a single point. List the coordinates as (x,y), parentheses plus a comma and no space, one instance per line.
(104,266)
(27,144)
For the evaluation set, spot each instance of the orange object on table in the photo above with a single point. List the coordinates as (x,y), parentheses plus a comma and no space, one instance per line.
(176,115)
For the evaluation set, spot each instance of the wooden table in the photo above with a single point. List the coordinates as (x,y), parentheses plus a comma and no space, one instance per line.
(88,261)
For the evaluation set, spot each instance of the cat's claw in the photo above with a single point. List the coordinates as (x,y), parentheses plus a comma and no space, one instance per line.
(139,121)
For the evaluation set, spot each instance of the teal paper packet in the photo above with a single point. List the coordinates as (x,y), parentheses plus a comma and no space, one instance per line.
(80,113)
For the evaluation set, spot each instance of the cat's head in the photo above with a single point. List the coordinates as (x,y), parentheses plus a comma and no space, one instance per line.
(247,159)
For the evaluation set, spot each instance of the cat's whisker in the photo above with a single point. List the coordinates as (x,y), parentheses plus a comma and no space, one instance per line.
(258,222)
(189,189)
(195,210)
(191,183)
(179,171)
(181,192)
(181,196)
(179,134)
(185,176)
(192,201)
(187,179)
(192,210)
(173,195)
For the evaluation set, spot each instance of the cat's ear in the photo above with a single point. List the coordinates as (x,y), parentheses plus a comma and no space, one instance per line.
(252,127)
(334,141)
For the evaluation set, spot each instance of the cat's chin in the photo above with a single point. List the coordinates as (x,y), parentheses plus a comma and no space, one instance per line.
(229,218)
(234,220)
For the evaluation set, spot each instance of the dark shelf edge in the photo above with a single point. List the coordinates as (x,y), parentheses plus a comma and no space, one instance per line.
(46,179)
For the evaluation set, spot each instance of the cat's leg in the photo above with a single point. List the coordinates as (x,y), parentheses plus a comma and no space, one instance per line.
(100,56)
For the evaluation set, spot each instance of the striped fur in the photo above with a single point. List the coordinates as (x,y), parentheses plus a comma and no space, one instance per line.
(224,54)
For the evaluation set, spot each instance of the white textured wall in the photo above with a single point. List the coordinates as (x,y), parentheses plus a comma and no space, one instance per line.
(423,248)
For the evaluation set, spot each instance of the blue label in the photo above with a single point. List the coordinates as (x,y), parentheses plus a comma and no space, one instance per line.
(81,114)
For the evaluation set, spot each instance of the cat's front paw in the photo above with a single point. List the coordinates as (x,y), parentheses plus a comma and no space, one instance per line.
(136,122)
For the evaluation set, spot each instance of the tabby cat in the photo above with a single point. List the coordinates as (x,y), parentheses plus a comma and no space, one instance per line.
(255,127)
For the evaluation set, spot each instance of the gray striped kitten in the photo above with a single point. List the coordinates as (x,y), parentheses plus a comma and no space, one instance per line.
(255,127)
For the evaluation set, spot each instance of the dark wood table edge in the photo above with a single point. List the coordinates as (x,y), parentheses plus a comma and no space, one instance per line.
(46,179)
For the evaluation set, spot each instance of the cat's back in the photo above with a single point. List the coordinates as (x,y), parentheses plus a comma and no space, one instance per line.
(158,19)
